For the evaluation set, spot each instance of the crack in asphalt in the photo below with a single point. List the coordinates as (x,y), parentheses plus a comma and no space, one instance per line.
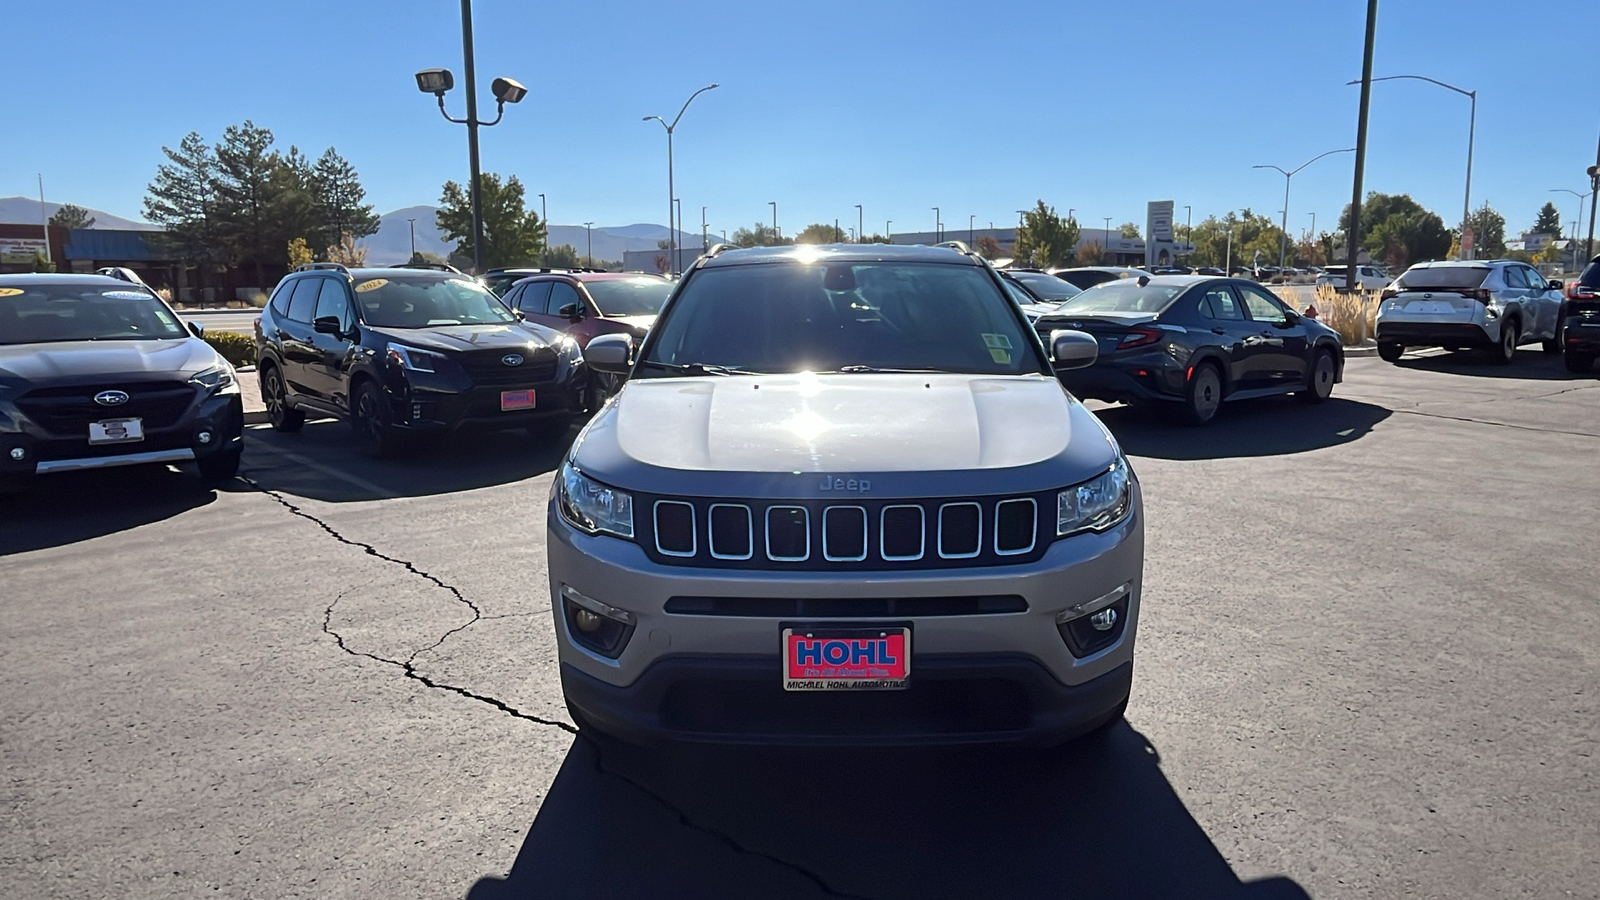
(1416,412)
(409,669)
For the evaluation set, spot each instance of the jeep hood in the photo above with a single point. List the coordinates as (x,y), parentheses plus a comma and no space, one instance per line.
(907,435)
(69,362)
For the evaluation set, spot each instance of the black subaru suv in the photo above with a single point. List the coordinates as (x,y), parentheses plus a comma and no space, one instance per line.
(1580,326)
(98,372)
(401,352)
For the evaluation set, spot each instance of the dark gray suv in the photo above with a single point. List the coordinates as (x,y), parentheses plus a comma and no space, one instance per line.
(843,499)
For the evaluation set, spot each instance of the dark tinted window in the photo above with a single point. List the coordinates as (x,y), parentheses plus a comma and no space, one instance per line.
(561,294)
(419,301)
(794,317)
(1048,287)
(280,298)
(1219,303)
(331,301)
(304,299)
(77,312)
(1442,277)
(629,296)
(533,297)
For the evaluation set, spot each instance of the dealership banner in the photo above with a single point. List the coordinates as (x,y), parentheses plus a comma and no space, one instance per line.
(21,250)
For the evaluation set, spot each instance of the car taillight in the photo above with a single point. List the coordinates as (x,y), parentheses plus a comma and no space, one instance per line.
(1580,292)
(1481,295)
(1389,293)
(1139,336)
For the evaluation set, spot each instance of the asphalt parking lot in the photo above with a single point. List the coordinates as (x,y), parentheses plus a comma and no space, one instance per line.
(1367,668)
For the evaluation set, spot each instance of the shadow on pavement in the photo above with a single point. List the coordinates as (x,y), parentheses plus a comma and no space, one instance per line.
(1272,426)
(1094,819)
(1530,364)
(325,462)
(75,506)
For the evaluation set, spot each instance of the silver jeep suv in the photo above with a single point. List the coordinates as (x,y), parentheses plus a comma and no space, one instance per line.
(820,512)
(1495,304)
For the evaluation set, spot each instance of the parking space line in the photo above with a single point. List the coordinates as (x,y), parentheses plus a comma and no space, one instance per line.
(357,481)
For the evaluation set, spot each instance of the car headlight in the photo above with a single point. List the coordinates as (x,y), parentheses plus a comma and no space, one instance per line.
(568,348)
(216,380)
(592,507)
(414,359)
(1098,503)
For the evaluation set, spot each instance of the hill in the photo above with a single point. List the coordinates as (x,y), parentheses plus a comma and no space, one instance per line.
(25,211)
(392,243)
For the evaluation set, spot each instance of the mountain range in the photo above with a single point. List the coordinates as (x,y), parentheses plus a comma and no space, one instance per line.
(25,211)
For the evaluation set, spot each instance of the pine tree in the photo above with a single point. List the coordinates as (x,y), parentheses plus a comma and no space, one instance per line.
(250,180)
(70,216)
(339,199)
(1549,221)
(183,200)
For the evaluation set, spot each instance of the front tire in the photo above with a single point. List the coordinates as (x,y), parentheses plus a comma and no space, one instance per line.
(1203,398)
(276,398)
(1507,351)
(1390,352)
(215,470)
(371,421)
(1319,383)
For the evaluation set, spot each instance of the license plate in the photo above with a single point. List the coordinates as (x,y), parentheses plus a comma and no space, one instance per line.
(116,431)
(510,400)
(1432,306)
(846,659)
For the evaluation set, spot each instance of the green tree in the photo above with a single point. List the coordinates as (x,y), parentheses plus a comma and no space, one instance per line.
(70,216)
(988,247)
(760,235)
(875,239)
(299,253)
(820,233)
(182,199)
(1091,254)
(512,233)
(339,200)
(423,257)
(562,257)
(40,264)
(1547,222)
(1130,230)
(1488,233)
(1045,239)
(1398,231)
(259,197)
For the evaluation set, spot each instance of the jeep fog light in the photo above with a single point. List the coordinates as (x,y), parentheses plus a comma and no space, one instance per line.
(594,625)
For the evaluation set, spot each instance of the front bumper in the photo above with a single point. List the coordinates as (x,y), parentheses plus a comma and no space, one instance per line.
(45,452)
(1006,677)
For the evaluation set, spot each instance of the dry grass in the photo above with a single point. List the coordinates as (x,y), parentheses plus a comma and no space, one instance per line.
(1352,315)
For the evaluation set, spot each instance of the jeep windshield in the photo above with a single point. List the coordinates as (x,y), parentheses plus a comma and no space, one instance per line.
(41,314)
(840,317)
(423,301)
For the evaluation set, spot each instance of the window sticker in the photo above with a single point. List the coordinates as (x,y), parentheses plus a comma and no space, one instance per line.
(9,292)
(125,295)
(996,341)
(372,285)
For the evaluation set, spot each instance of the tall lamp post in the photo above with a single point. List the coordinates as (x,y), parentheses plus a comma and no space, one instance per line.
(544,217)
(937,225)
(588,235)
(1472,127)
(1578,226)
(439,82)
(677,227)
(413,224)
(970,220)
(861,228)
(1188,228)
(702,229)
(1283,227)
(774,204)
(672,194)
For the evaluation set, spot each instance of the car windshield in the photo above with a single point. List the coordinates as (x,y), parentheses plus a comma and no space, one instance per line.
(47,313)
(863,316)
(1442,278)
(420,301)
(1048,287)
(629,296)
(1123,297)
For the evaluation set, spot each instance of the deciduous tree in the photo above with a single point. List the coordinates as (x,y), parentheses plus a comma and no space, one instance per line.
(759,235)
(512,233)
(70,216)
(1045,239)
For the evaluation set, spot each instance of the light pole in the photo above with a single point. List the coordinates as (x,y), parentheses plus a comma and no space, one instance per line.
(1106,247)
(1188,228)
(774,205)
(970,220)
(677,228)
(544,216)
(588,235)
(886,224)
(413,224)
(861,228)
(438,82)
(44,220)
(672,194)
(1283,227)
(936,225)
(1313,235)
(1022,216)
(703,229)
(1579,225)
(1472,127)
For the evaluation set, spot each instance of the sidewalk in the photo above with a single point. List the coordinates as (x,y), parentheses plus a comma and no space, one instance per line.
(255,412)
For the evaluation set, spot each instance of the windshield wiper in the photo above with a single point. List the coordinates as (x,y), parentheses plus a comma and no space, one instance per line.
(890,370)
(696,368)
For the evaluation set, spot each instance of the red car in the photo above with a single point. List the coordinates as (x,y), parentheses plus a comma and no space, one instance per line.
(585,304)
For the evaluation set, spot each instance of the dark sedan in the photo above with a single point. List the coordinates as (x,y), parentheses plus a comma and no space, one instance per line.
(1196,342)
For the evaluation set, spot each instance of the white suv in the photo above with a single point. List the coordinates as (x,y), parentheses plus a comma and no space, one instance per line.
(1368,278)
(1497,304)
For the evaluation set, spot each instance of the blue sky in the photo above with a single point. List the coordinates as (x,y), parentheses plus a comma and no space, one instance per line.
(897,106)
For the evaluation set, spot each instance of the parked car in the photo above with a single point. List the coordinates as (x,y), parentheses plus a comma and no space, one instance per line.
(1368,278)
(1494,304)
(847,483)
(1196,342)
(1210,270)
(98,372)
(500,280)
(1172,270)
(1043,292)
(405,352)
(585,304)
(1580,325)
(1085,277)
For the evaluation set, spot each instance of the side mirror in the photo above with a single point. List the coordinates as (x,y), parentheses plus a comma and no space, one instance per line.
(327,325)
(610,353)
(1073,349)
(573,311)
(1556,286)
(196,329)
(1290,318)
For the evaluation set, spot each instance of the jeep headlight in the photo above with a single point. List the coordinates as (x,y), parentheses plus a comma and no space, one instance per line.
(1098,503)
(591,507)
(216,380)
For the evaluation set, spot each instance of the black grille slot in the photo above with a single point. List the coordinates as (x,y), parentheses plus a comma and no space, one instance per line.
(67,411)
(488,367)
(960,530)
(731,532)
(845,607)
(675,528)
(904,532)
(1014,526)
(788,533)
(844,534)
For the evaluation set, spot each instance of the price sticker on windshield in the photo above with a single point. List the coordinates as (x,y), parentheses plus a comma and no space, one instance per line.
(999,347)
(10,292)
(372,285)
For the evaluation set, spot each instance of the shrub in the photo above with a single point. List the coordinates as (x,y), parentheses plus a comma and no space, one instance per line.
(239,349)
(1353,315)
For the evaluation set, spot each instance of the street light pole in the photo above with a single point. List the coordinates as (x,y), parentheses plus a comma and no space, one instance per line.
(588,234)
(936,225)
(1188,228)
(861,228)
(672,194)
(1283,227)
(702,229)
(677,228)
(970,220)
(775,235)
(1578,226)
(413,224)
(544,217)
(1472,129)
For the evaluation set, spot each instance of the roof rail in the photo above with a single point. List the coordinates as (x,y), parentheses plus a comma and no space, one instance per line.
(715,249)
(313,266)
(437,267)
(957,246)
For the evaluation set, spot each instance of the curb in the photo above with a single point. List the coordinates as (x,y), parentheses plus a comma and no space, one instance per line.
(255,417)
(1360,351)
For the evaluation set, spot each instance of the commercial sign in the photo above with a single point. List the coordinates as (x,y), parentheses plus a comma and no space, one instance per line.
(21,250)
(1158,225)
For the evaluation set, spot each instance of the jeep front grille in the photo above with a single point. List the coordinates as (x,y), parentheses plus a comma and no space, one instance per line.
(812,535)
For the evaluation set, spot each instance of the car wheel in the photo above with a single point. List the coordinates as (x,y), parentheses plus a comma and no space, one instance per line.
(1579,363)
(1554,345)
(1319,386)
(276,398)
(219,468)
(1390,352)
(1204,395)
(1507,350)
(370,421)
